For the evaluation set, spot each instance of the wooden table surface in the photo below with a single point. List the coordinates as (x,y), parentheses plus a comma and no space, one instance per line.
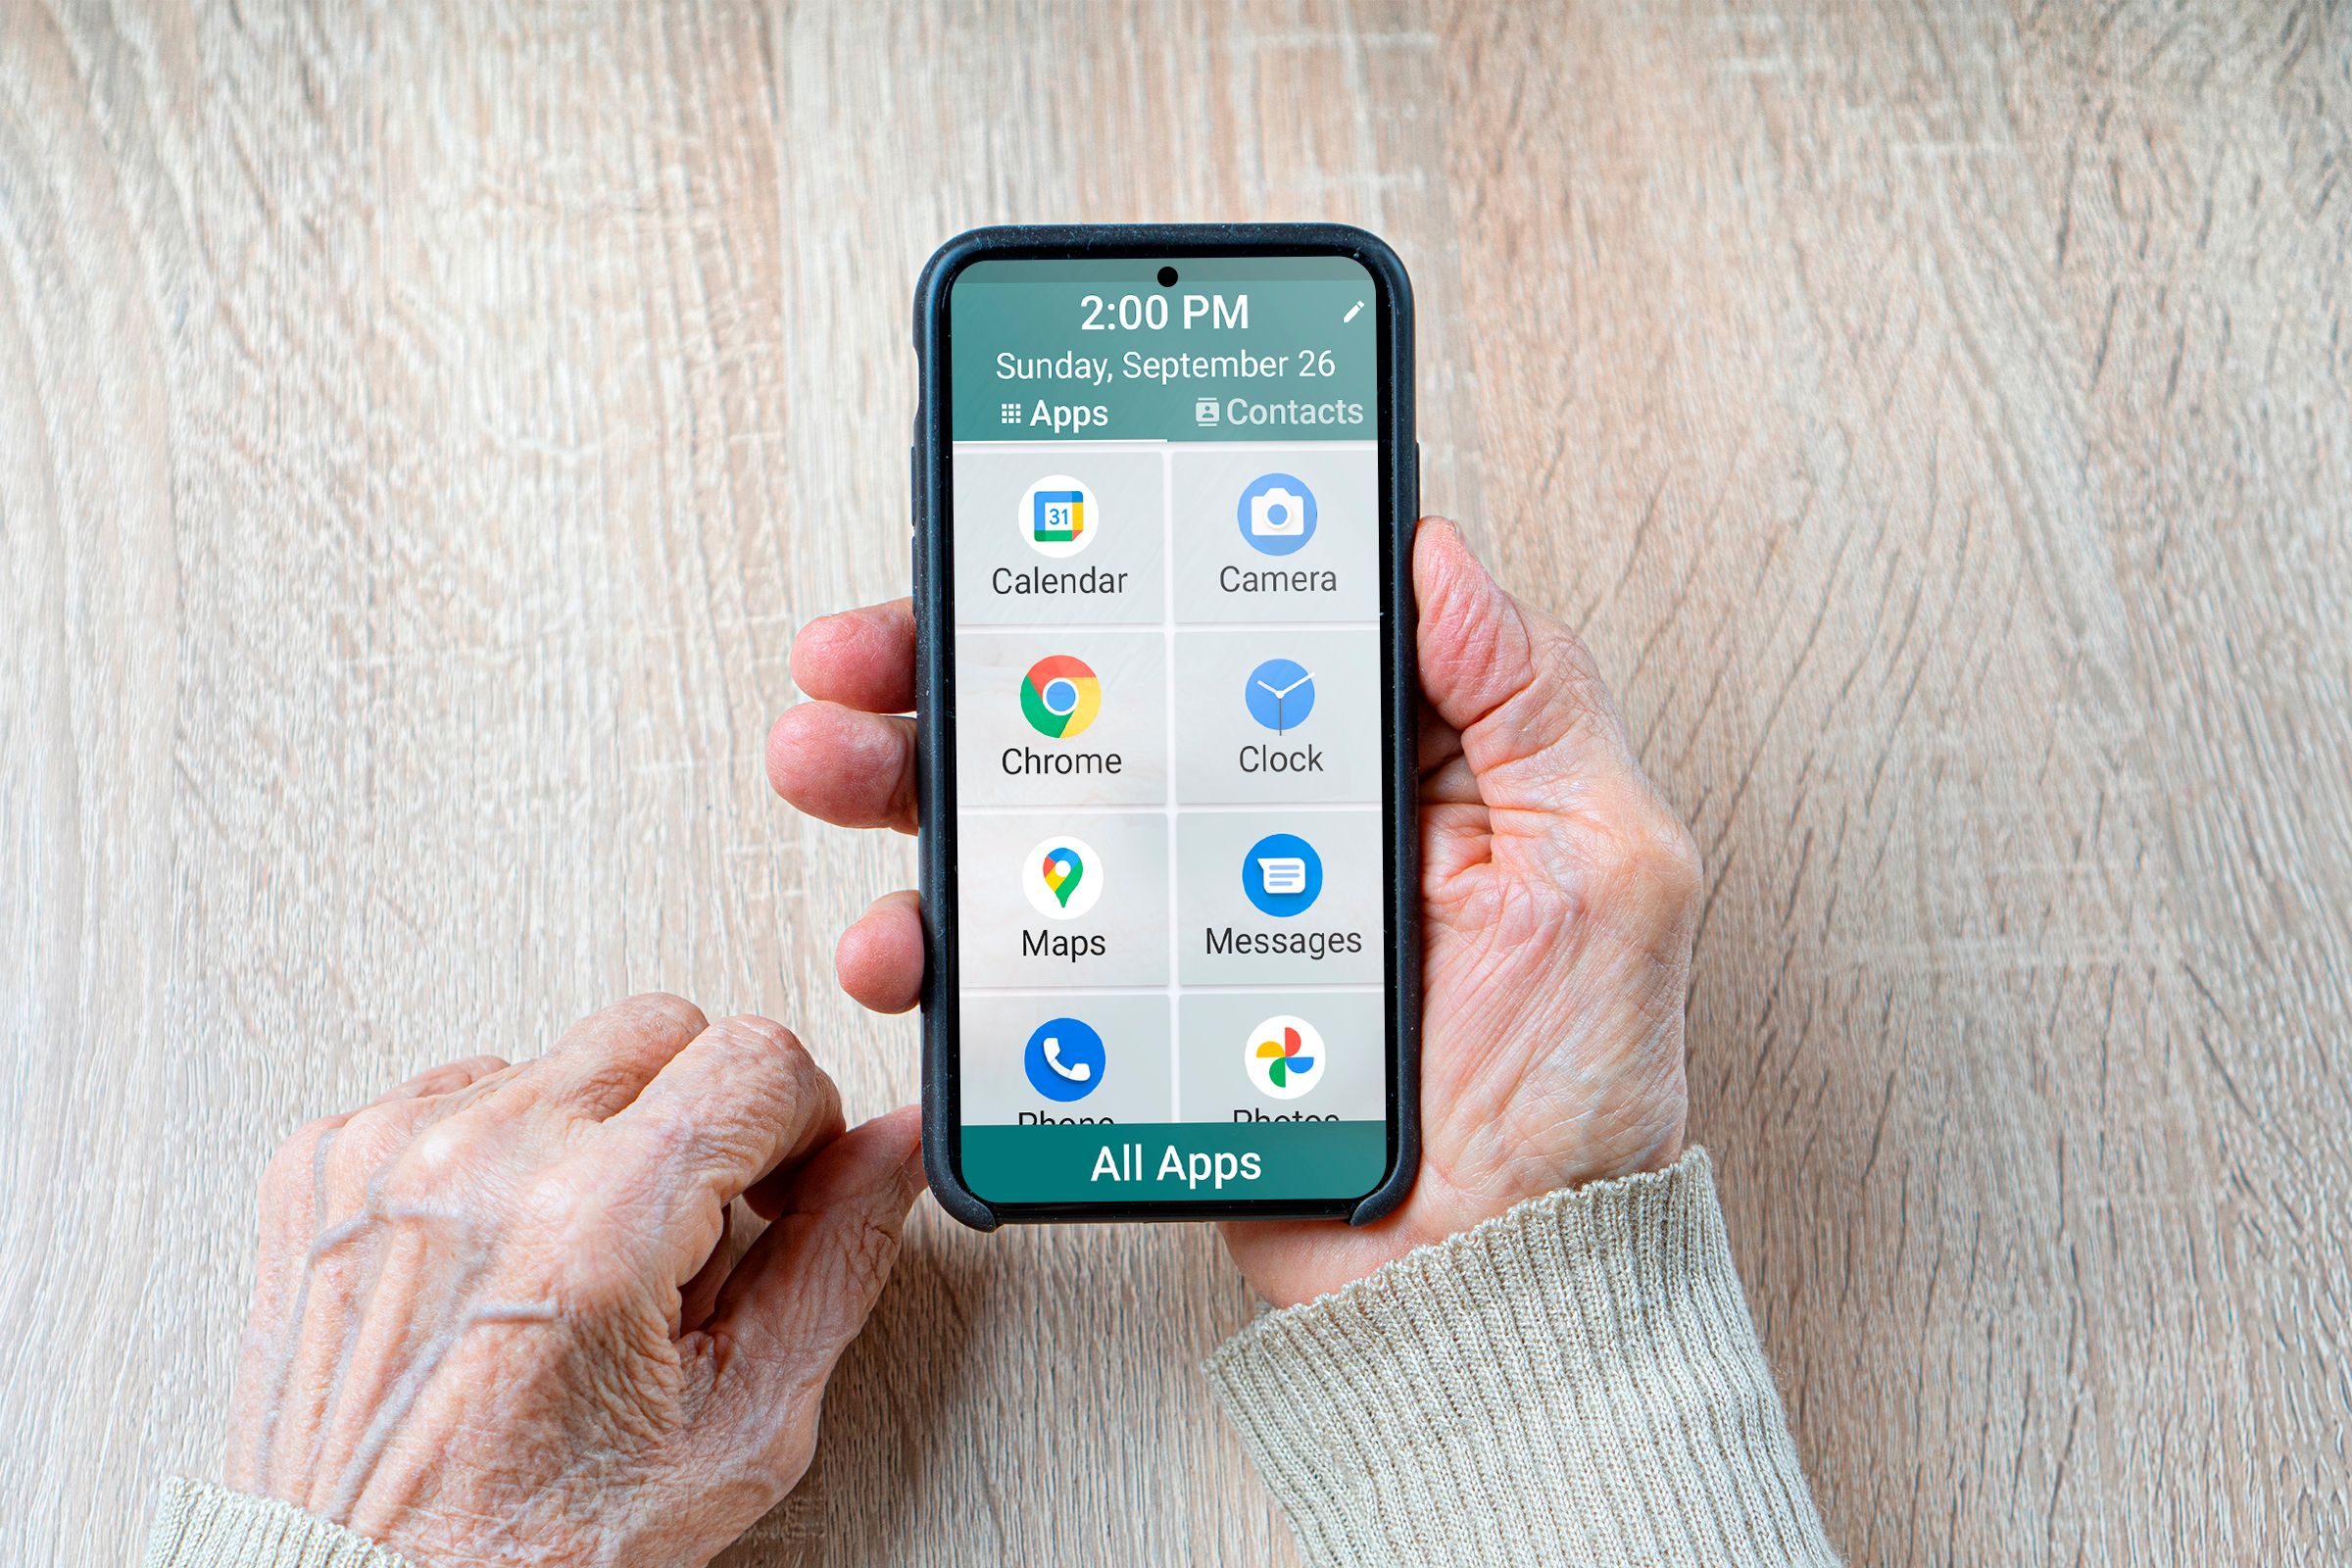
(422,427)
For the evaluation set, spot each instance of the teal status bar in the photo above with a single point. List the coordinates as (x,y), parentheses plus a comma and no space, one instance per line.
(1236,349)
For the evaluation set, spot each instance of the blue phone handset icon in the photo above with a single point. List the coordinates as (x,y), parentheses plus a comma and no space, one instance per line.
(1064,1059)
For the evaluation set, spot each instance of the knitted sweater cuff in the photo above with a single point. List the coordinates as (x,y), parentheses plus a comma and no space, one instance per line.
(199,1525)
(1574,1381)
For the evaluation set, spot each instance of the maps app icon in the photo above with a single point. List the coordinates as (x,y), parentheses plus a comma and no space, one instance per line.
(1057,517)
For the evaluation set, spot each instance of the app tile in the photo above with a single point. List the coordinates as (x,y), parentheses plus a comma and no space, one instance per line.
(1276,533)
(1060,719)
(1274,897)
(1282,1056)
(1063,898)
(1038,1060)
(1278,716)
(1060,535)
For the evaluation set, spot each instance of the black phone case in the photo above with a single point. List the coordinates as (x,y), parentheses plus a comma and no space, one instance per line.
(935,698)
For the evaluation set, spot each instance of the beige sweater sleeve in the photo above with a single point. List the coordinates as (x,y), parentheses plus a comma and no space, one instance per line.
(199,1525)
(1576,1381)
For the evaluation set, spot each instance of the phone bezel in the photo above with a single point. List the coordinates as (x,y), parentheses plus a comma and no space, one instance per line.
(931,461)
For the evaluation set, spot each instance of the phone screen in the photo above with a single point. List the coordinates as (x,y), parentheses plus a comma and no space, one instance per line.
(1166,533)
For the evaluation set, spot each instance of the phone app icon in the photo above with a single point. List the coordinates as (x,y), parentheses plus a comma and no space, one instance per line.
(1061,696)
(1284,1058)
(1277,514)
(1280,694)
(1282,875)
(1064,1059)
(1063,877)
(1058,516)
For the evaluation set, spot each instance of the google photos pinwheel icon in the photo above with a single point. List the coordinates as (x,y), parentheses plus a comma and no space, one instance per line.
(1061,696)
(1284,1058)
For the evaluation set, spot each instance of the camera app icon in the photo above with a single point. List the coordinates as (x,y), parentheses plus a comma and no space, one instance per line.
(1277,514)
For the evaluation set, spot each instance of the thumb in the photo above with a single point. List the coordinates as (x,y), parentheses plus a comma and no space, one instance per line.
(804,1290)
(1537,723)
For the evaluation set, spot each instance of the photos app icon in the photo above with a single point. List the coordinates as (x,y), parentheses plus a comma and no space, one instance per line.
(1284,1057)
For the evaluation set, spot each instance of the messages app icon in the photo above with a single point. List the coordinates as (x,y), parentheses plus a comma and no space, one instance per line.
(1282,875)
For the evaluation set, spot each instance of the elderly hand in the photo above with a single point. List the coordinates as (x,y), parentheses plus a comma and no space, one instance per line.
(1559,897)
(497,1318)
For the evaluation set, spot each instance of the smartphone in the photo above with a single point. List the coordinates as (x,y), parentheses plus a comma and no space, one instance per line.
(1166,484)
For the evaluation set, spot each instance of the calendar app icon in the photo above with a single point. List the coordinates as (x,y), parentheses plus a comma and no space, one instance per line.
(1058,516)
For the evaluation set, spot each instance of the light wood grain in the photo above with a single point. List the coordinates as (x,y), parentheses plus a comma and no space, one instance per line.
(423,426)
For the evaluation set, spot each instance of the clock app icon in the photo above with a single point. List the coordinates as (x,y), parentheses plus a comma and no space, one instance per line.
(1280,693)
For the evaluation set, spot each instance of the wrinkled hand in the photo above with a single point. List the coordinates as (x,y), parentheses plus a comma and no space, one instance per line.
(1559,898)
(494,1319)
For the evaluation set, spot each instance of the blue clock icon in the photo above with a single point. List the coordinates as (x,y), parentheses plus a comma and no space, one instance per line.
(1280,693)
